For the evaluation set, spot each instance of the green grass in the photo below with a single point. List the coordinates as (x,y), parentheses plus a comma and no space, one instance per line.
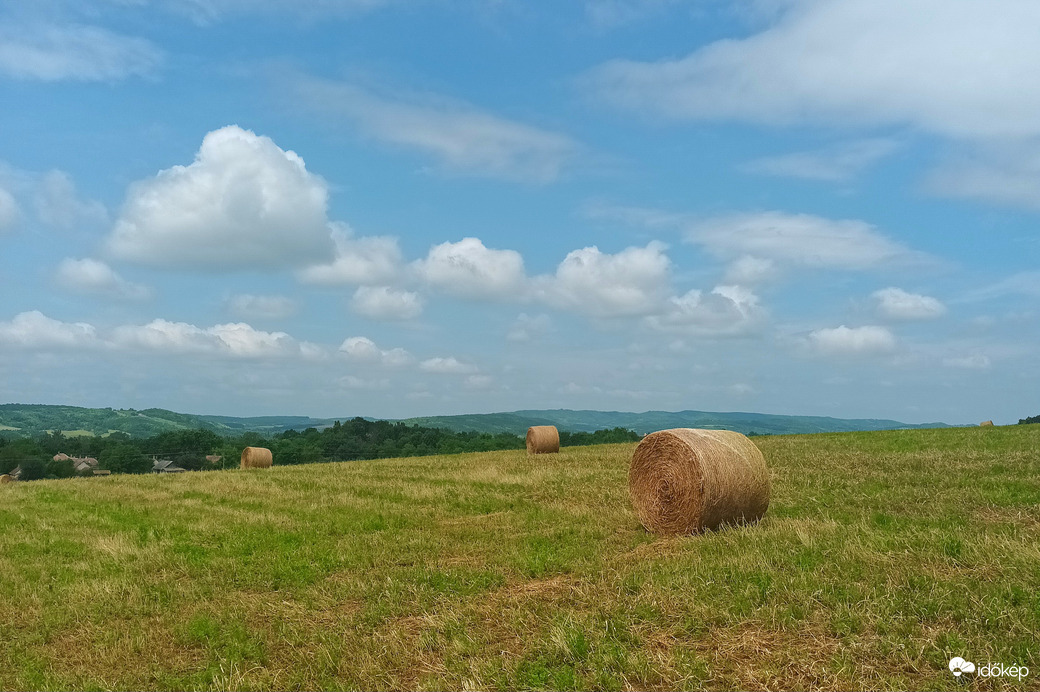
(882,555)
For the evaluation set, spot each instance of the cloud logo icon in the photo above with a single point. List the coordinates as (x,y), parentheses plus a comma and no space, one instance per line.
(958,665)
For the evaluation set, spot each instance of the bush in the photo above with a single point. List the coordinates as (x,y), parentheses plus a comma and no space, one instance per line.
(124,458)
(33,469)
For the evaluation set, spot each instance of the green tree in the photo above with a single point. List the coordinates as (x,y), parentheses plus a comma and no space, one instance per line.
(123,457)
(19,452)
(62,468)
(33,469)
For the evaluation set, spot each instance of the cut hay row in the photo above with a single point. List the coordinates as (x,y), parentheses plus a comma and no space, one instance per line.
(687,481)
(543,439)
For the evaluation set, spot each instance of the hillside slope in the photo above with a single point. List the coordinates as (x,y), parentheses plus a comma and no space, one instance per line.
(32,419)
(649,421)
(882,556)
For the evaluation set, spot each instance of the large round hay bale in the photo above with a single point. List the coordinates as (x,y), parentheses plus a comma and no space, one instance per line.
(257,458)
(543,439)
(687,481)
(986,424)
(6,478)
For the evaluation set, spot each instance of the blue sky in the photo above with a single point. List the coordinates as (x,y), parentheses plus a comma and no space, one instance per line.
(396,208)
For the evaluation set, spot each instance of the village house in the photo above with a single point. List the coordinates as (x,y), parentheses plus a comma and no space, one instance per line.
(165,466)
(82,466)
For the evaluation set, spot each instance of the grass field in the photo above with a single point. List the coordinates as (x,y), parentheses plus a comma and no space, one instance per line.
(883,555)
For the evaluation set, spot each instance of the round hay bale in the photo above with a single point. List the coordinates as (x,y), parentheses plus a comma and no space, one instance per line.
(543,439)
(6,478)
(257,458)
(687,481)
(986,424)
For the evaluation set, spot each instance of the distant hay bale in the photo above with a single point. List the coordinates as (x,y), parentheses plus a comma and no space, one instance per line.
(256,458)
(543,439)
(985,424)
(688,481)
(6,478)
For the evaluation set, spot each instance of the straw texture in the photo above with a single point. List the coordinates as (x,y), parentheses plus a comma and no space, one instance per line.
(256,458)
(543,439)
(687,480)
(986,423)
(5,478)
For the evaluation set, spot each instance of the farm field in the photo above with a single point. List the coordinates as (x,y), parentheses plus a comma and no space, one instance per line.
(882,556)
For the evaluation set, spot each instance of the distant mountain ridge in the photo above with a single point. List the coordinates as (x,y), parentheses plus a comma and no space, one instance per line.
(649,421)
(33,419)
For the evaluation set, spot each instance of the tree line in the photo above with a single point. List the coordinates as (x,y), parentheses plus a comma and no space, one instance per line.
(195,450)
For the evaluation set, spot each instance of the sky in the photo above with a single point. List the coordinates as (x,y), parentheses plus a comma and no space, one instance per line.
(416,207)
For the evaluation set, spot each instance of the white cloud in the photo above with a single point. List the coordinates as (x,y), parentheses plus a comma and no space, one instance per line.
(33,329)
(856,62)
(9,212)
(467,269)
(397,358)
(362,383)
(843,340)
(529,327)
(237,340)
(49,52)
(243,340)
(59,205)
(262,307)
(750,270)
(837,163)
(167,337)
(462,137)
(365,260)
(447,366)
(631,282)
(972,362)
(1001,173)
(363,349)
(92,276)
(385,303)
(479,381)
(360,348)
(799,239)
(725,311)
(1023,283)
(243,203)
(895,303)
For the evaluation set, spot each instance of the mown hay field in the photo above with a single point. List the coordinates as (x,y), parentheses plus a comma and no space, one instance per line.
(882,556)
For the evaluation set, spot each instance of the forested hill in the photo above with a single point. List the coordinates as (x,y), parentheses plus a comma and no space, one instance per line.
(649,421)
(33,419)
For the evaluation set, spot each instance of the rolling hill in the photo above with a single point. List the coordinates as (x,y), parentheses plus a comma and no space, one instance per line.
(33,419)
(589,421)
(882,556)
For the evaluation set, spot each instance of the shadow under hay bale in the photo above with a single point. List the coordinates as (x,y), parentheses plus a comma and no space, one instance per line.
(543,439)
(256,458)
(688,481)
